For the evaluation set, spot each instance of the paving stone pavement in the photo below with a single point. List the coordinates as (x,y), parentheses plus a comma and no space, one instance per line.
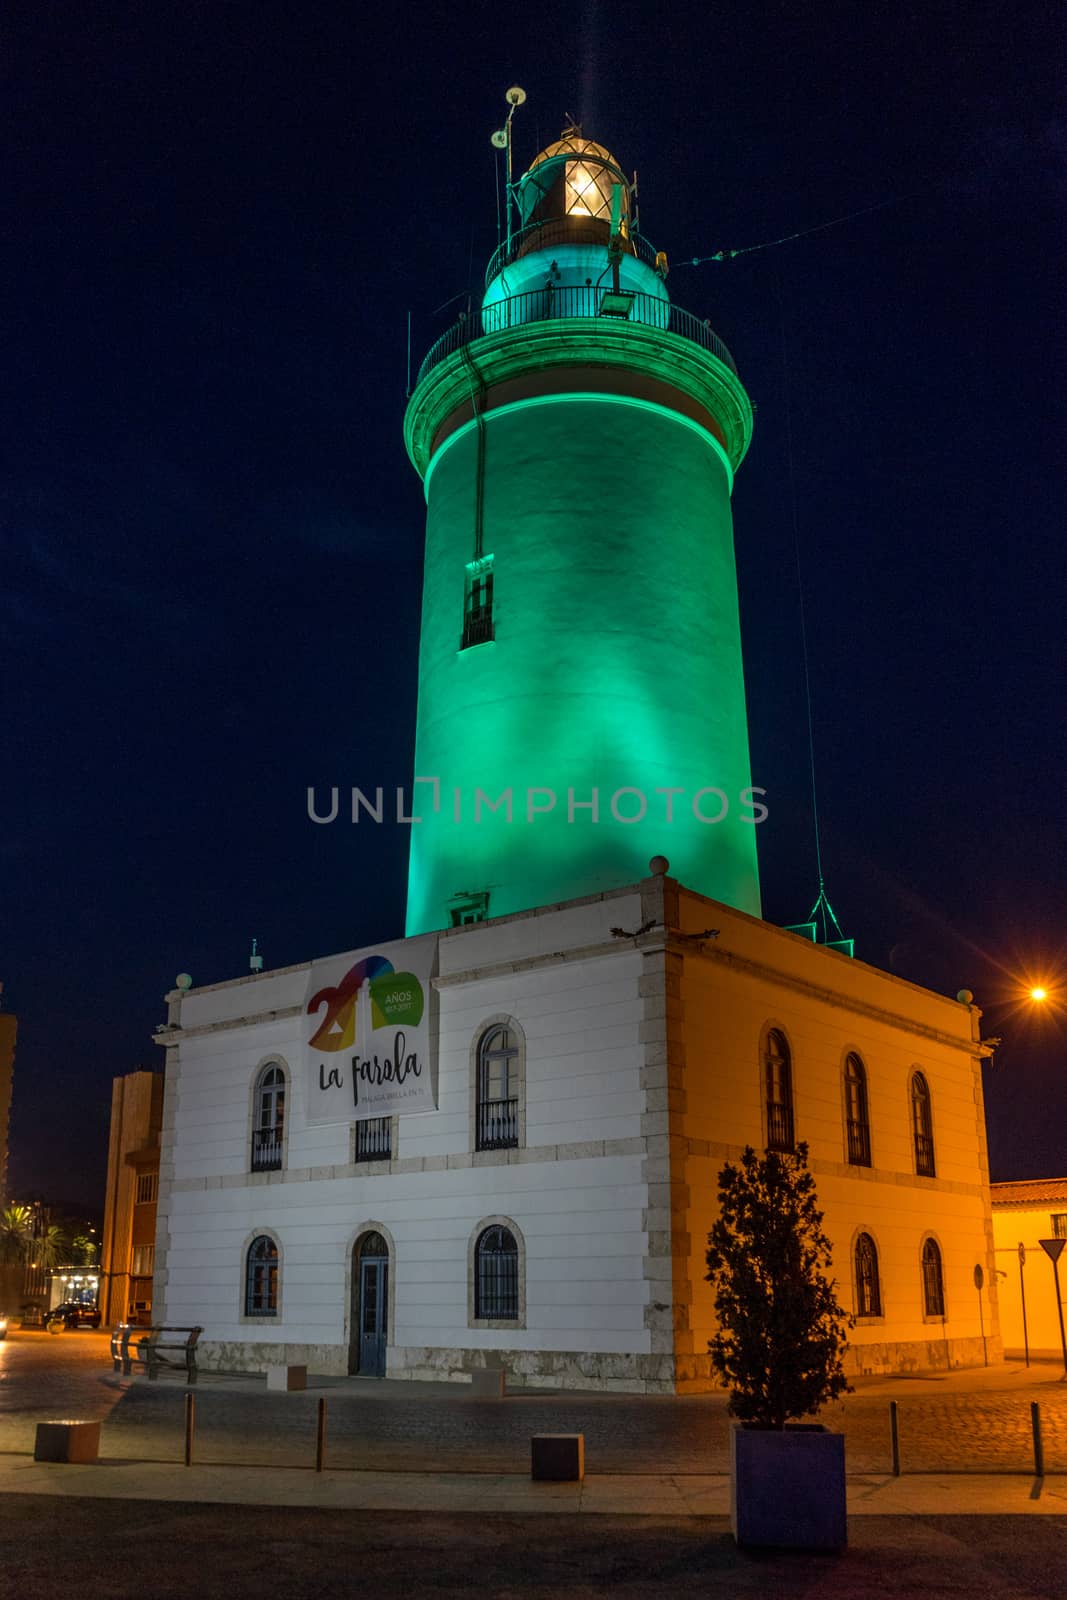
(970,1421)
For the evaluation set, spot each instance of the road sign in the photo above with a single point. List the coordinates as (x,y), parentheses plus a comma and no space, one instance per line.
(979,1277)
(1053,1248)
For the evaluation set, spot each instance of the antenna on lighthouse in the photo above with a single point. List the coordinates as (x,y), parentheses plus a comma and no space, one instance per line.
(501,140)
(255,960)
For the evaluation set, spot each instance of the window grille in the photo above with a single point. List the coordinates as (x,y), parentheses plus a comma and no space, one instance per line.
(1059,1224)
(498,1099)
(933,1287)
(268,1132)
(496,1276)
(857,1126)
(147,1187)
(922,1127)
(261,1278)
(778,1076)
(868,1291)
(374,1139)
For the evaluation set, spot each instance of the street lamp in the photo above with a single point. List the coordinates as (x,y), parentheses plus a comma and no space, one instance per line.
(1053,1248)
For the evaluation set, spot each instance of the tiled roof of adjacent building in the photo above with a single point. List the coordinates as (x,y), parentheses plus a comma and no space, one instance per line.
(1030,1192)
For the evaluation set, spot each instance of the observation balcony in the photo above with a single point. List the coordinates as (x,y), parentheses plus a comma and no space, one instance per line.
(552,232)
(569,303)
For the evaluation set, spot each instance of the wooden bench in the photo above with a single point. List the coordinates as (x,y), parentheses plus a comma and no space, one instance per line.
(135,1346)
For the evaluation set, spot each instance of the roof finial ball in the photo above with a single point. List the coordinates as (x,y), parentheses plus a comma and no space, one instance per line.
(183,981)
(659,866)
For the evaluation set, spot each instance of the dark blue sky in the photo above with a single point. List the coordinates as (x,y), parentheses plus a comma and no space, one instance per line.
(218,218)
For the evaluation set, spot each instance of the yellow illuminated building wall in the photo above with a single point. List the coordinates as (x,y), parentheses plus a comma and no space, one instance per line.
(904,1184)
(1024,1213)
(127,1260)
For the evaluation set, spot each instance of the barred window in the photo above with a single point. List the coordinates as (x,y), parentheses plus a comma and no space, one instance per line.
(778,1081)
(496,1276)
(857,1126)
(1059,1224)
(498,1090)
(144,1257)
(147,1187)
(374,1139)
(868,1290)
(922,1126)
(261,1278)
(268,1128)
(933,1286)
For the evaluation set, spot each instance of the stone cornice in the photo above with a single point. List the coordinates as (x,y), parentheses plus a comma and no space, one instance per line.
(175,1033)
(831,997)
(578,341)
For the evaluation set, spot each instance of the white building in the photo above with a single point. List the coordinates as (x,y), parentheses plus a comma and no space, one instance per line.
(615,1072)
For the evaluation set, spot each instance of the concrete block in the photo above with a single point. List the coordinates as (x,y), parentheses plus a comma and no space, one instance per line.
(287,1379)
(557,1457)
(488,1383)
(67,1441)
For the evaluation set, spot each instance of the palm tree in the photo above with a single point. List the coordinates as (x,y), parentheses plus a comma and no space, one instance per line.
(83,1250)
(51,1249)
(16,1233)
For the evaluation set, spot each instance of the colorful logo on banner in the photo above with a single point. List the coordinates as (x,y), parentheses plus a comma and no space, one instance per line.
(368,1036)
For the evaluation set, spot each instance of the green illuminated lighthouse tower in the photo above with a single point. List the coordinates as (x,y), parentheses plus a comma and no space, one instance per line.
(581,696)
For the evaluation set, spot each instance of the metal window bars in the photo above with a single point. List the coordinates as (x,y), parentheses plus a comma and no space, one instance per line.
(779,1125)
(374,1139)
(859,1143)
(267,1149)
(498,1124)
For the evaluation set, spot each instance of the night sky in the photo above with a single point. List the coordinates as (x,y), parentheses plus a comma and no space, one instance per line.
(218,217)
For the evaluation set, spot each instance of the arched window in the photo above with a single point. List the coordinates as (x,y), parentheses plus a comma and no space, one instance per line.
(868,1291)
(922,1126)
(857,1127)
(268,1119)
(261,1278)
(496,1275)
(778,1083)
(933,1286)
(498,1089)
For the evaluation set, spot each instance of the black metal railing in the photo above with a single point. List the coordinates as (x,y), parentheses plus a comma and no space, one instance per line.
(477,626)
(859,1143)
(267,1149)
(374,1139)
(498,1124)
(779,1125)
(497,1297)
(924,1155)
(555,231)
(567,303)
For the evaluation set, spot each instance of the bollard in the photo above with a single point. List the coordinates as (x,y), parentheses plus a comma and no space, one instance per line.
(894,1437)
(320,1438)
(190,1426)
(1039,1449)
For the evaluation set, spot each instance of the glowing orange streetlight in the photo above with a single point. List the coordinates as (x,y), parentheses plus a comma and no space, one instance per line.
(1038,993)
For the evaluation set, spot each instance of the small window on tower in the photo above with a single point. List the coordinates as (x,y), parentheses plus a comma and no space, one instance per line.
(467,908)
(478,603)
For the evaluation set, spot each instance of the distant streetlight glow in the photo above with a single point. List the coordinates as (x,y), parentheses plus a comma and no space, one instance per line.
(1038,993)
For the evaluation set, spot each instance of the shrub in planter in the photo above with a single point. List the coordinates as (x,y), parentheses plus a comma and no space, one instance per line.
(779,1349)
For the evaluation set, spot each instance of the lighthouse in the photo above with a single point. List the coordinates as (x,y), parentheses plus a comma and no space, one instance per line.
(581,703)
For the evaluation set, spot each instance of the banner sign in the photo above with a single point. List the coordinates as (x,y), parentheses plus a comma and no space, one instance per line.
(367,1033)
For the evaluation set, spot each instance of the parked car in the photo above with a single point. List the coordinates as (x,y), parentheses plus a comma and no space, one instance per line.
(73,1314)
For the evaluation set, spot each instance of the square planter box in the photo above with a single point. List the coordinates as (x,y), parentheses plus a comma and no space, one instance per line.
(787,1489)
